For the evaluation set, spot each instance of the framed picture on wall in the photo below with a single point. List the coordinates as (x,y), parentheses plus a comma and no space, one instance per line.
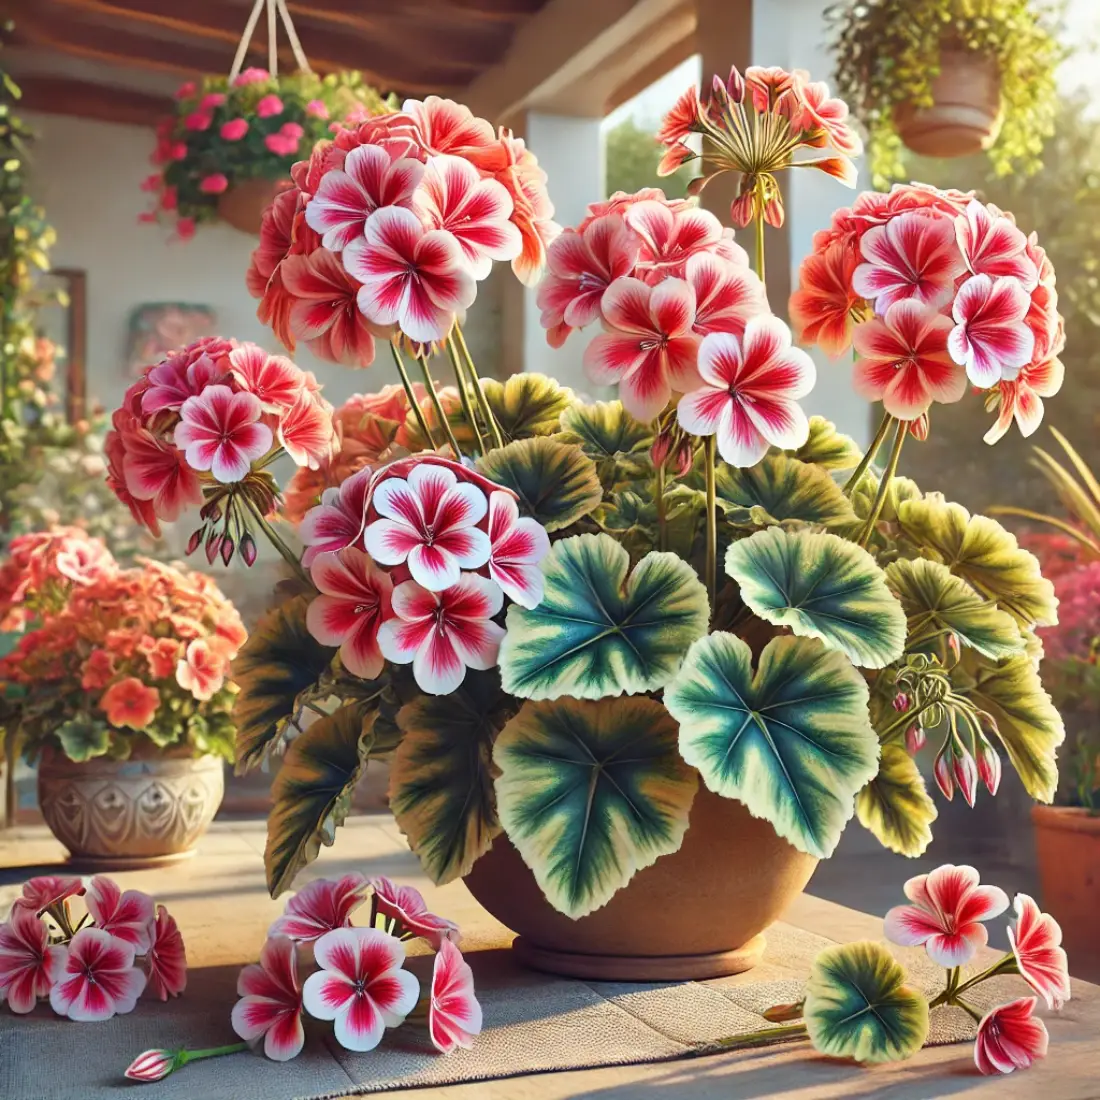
(63,322)
(156,328)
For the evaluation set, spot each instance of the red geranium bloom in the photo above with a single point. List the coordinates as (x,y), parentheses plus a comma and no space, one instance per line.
(202,669)
(355,600)
(1010,1038)
(271,1001)
(516,548)
(822,309)
(749,394)
(179,377)
(276,234)
(670,236)
(220,431)
(128,916)
(306,432)
(682,119)
(99,670)
(28,965)
(903,360)
(992,245)
(361,985)
(911,256)
(413,277)
(768,84)
(156,472)
(130,703)
(1036,942)
(167,959)
(650,347)
(99,979)
(454,1015)
(162,656)
(406,906)
(946,914)
(273,379)
(990,337)
(320,906)
(820,111)
(727,295)
(444,126)
(45,890)
(338,520)
(1021,399)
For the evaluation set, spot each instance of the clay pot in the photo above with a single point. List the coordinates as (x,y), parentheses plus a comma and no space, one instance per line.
(1067,841)
(965,116)
(126,814)
(243,205)
(698,913)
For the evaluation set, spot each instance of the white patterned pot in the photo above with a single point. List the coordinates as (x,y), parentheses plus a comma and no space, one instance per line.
(129,813)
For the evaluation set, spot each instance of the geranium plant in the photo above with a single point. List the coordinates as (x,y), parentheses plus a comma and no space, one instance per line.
(113,661)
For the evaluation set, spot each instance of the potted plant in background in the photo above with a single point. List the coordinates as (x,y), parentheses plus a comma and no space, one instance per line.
(118,687)
(947,78)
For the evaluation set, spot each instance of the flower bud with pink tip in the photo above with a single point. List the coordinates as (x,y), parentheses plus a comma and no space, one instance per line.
(989,766)
(942,772)
(153,1065)
(915,739)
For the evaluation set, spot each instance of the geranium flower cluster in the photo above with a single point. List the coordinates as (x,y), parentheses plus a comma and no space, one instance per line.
(391,225)
(946,914)
(203,425)
(754,125)
(682,313)
(88,967)
(413,561)
(118,650)
(935,290)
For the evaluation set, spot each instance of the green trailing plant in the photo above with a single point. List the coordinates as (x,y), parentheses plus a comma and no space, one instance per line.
(888,53)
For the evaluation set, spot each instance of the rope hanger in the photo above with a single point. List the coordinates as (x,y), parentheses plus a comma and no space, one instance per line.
(273,7)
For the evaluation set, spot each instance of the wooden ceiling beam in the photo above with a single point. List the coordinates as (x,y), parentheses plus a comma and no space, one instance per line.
(56,95)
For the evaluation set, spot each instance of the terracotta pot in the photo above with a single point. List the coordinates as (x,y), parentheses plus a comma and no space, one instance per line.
(129,813)
(965,116)
(1067,841)
(243,205)
(698,913)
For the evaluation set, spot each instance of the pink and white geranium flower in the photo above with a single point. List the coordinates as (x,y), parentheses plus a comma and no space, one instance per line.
(991,244)
(355,600)
(156,471)
(670,235)
(990,338)
(1021,399)
(275,381)
(220,431)
(306,432)
(1036,942)
(1010,1038)
(176,379)
(29,966)
(517,545)
(412,277)
(649,347)
(338,520)
(270,1005)
(320,906)
(454,1014)
(128,916)
(361,985)
(444,633)
(429,521)
(99,979)
(406,906)
(750,391)
(945,917)
(45,891)
(167,958)
(727,295)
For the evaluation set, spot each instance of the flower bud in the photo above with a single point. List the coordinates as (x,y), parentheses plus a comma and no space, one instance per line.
(228,547)
(953,646)
(941,771)
(989,766)
(194,541)
(735,85)
(741,209)
(213,544)
(779,1014)
(153,1065)
(915,739)
(685,457)
(901,702)
(248,549)
(719,96)
(966,774)
(918,428)
(662,445)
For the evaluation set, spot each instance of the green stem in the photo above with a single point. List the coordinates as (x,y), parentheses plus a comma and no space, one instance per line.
(764,1035)
(906,719)
(662,533)
(410,393)
(464,394)
(872,451)
(186,1056)
(441,416)
(952,994)
(275,539)
(482,400)
(884,485)
(709,449)
(760,235)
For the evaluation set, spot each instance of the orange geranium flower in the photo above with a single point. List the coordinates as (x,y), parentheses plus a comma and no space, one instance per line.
(822,309)
(130,703)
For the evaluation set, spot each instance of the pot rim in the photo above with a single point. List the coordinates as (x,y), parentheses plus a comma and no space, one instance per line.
(1071,819)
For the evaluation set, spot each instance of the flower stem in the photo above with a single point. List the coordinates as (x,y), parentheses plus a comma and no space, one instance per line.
(275,539)
(441,416)
(186,1056)
(410,393)
(482,400)
(709,449)
(869,457)
(884,485)
(464,393)
(760,234)
(764,1035)
(662,532)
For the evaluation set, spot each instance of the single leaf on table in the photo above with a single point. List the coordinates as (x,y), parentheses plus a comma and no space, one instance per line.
(858,1006)
(785,489)
(441,785)
(598,631)
(311,795)
(611,437)
(793,742)
(933,597)
(895,806)
(84,738)
(590,793)
(556,482)
(279,662)
(820,586)
(984,554)
(526,405)
(828,448)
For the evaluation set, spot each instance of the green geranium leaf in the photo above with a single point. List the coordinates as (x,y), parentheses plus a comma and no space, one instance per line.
(599,632)
(827,447)
(279,662)
(785,489)
(312,793)
(611,437)
(935,599)
(84,738)
(858,1005)
(1028,723)
(793,743)
(556,482)
(527,405)
(895,806)
(898,491)
(590,793)
(821,586)
(984,554)
(441,787)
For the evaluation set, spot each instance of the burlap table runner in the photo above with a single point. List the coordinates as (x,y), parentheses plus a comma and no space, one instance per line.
(533,1023)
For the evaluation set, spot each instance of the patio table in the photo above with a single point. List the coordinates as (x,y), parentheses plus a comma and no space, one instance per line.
(223,909)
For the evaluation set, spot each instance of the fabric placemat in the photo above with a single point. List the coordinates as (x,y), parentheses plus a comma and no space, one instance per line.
(533,1023)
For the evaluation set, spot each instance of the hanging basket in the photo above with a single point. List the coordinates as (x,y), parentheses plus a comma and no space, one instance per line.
(965,116)
(243,205)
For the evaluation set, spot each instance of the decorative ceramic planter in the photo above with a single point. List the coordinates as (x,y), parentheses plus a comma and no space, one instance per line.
(698,913)
(243,205)
(1067,841)
(965,116)
(129,813)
